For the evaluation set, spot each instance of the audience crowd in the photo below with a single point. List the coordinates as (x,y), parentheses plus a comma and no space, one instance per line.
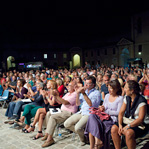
(80,99)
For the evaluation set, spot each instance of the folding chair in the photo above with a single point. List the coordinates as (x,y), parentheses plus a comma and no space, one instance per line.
(4,98)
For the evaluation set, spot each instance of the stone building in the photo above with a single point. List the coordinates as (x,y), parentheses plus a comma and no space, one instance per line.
(120,52)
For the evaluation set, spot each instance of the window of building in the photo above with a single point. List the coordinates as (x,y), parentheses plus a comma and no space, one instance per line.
(45,56)
(64,55)
(54,55)
(139,25)
(105,51)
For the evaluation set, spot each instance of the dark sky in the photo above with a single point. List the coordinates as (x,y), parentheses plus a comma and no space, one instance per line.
(66,22)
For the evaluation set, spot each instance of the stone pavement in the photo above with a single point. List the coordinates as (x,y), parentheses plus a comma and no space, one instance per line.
(14,139)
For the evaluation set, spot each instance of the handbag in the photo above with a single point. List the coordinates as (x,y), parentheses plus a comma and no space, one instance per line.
(97,111)
(128,121)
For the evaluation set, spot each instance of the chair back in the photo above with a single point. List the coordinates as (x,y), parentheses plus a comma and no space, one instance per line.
(5,94)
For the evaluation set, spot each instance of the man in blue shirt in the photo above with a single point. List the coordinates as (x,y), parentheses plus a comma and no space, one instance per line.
(104,87)
(88,96)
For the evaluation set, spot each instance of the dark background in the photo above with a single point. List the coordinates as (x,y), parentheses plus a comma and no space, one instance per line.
(67,22)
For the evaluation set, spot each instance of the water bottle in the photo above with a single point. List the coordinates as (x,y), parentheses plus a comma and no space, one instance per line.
(60,133)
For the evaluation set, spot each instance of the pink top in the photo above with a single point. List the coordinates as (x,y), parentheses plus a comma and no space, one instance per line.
(71,98)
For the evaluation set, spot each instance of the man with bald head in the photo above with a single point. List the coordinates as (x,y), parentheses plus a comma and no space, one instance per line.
(67,109)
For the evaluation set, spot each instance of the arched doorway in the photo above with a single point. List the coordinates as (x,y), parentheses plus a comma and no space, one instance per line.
(124,57)
(10,62)
(76,61)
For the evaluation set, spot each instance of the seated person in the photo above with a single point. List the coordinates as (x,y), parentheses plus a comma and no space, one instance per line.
(1,86)
(99,131)
(89,97)
(104,87)
(30,110)
(13,85)
(41,113)
(67,109)
(134,107)
(6,85)
(20,105)
(12,110)
(60,87)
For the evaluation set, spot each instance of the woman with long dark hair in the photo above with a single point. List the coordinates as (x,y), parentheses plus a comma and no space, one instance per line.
(98,130)
(15,106)
(134,109)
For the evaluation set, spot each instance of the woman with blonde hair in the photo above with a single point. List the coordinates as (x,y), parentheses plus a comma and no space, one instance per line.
(60,87)
(41,113)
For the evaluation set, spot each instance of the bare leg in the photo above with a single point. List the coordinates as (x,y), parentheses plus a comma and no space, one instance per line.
(41,118)
(92,141)
(22,119)
(26,126)
(39,111)
(49,138)
(115,137)
(130,139)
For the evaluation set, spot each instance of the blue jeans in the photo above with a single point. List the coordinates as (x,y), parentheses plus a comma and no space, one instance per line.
(10,109)
(18,108)
(14,108)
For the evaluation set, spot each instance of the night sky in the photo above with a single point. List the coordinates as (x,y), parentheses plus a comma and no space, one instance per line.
(71,22)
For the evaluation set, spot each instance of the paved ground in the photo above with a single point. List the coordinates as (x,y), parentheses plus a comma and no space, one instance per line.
(15,139)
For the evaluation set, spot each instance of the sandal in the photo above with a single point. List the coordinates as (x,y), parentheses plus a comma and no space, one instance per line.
(30,129)
(35,138)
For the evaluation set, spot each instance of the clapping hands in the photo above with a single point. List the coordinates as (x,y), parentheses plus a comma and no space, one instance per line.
(80,90)
(43,93)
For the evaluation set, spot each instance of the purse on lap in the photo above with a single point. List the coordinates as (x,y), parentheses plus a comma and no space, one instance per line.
(97,111)
(128,121)
(130,110)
